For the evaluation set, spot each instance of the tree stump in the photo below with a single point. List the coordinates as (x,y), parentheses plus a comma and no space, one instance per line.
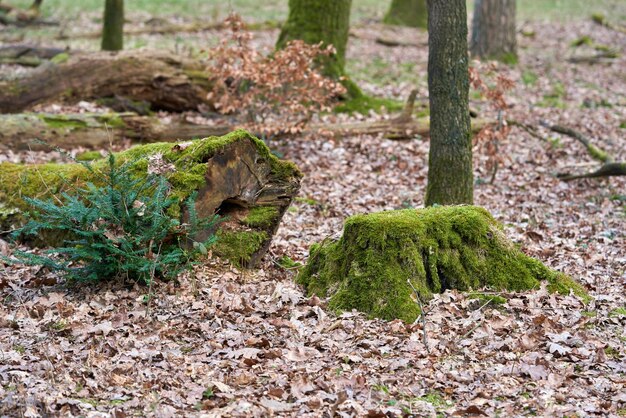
(384,258)
(166,82)
(235,176)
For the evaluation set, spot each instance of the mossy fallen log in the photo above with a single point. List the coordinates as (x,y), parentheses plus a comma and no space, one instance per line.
(166,81)
(234,175)
(438,248)
(37,131)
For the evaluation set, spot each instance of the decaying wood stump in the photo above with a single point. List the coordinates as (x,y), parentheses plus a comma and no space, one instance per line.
(234,175)
(165,81)
(37,131)
(386,262)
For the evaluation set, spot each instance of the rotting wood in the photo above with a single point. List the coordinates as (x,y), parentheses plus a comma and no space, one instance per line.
(165,81)
(235,176)
(38,131)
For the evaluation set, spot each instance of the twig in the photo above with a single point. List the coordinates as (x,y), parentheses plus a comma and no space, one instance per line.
(422,314)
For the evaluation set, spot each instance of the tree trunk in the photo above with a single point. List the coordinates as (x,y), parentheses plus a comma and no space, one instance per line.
(493,30)
(113,26)
(413,13)
(235,176)
(450,175)
(41,131)
(166,82)
(315,21)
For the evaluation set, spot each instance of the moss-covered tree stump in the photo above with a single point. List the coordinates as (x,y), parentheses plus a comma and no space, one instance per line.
(438,248)
(234,175)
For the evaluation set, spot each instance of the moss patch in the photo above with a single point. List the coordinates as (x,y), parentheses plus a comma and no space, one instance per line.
(261,217)
(239,246)
(438,248)
(89,156)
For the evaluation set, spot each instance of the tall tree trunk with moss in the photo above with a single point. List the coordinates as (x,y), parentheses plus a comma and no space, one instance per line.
(413,13)
(113,27)
(450,175)
(326,21)
(493,30)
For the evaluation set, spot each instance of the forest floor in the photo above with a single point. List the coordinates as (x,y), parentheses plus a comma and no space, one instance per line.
(226,342)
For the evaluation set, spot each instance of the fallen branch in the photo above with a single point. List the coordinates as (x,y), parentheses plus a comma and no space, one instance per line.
(601,20)
(165,81)
(594,152)
(608,168)
(601,57)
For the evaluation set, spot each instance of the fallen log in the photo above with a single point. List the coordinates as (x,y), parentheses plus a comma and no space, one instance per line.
(41,131)
(37,131)
(165,81)
(390,129)
(27,55)
(235,176)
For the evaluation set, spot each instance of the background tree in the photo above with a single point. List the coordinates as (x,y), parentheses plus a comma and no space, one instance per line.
(113,27)
(493,30)
(315,21)
(412,13)
(450,176)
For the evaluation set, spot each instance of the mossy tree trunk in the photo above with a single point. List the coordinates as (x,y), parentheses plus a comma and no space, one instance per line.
(326,21)
(450,175)
(413,13)
(493,30)
(113,26)
(235,176)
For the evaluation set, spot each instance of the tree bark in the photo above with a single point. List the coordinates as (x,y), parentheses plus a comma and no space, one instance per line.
(113,26)
(235,176)
(42,131)
(315,21)
(450,175)
(166,82)
(493,30)
(413,13)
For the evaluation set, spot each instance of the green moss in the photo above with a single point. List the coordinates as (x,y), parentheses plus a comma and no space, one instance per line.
(60,58)
(261,217)
(63,122)
(89,156)
(437,248)
(112,120)
(363,104)
(583,40)
(239,246)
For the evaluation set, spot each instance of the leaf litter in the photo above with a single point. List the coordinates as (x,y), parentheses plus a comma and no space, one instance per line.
(225,342)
